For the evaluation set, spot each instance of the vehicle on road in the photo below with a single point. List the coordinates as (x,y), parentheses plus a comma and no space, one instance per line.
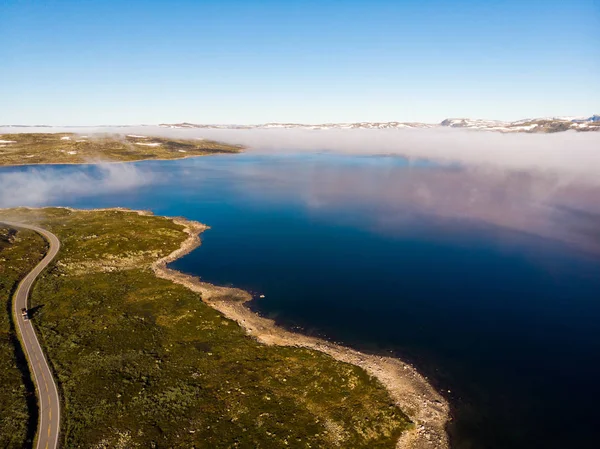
(24,313)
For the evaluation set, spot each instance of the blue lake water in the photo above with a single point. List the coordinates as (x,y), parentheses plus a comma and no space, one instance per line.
(504,323)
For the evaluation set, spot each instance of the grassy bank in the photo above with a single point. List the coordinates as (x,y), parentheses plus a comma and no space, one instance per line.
(68,148)
(19,253)
(142,362)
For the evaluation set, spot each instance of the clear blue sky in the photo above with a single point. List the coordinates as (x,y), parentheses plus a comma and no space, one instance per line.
(130,62)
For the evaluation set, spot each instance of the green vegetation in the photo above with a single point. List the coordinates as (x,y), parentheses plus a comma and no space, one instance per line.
(143,362)
(68,148)
(19,253)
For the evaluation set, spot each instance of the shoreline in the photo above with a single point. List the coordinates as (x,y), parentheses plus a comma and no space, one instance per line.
(118,162)
(410,391)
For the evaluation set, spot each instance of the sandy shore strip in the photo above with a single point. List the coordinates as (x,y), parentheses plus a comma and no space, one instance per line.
(410,391)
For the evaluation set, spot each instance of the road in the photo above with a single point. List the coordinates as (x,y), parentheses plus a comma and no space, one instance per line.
(48,399)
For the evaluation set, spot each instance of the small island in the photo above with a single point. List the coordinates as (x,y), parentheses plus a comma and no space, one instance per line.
(70,148)
(145,356)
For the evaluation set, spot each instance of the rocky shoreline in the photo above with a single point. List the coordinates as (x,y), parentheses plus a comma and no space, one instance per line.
(410,391)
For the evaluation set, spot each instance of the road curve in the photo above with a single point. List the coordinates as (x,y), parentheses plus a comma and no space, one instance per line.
(48,399)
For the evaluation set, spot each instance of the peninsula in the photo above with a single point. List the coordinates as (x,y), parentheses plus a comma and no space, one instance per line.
(145,356)
(69,148)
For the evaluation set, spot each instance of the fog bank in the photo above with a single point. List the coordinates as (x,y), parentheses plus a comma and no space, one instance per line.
(542,184)
(575,156)
(388,196)
(41,186)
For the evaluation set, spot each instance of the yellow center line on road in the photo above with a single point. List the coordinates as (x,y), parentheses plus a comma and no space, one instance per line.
(49,431)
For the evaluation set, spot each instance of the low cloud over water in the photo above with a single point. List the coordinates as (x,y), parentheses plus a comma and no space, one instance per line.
(41,186)
(390,196)
(543,184)
(575,156)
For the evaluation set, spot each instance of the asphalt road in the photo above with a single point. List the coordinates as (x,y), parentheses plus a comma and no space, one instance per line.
(48,399)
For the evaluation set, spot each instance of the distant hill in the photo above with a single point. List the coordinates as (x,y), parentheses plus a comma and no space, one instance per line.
(530,125)
(533,125)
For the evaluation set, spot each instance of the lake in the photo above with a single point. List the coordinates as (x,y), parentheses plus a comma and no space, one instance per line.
(504,320)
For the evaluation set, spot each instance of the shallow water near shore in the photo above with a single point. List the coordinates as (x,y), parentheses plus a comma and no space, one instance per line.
(504,322)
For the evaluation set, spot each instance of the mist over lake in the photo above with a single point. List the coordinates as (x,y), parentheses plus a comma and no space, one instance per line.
(487,281)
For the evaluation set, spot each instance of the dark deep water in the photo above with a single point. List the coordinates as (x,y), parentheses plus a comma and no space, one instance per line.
(504,323)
